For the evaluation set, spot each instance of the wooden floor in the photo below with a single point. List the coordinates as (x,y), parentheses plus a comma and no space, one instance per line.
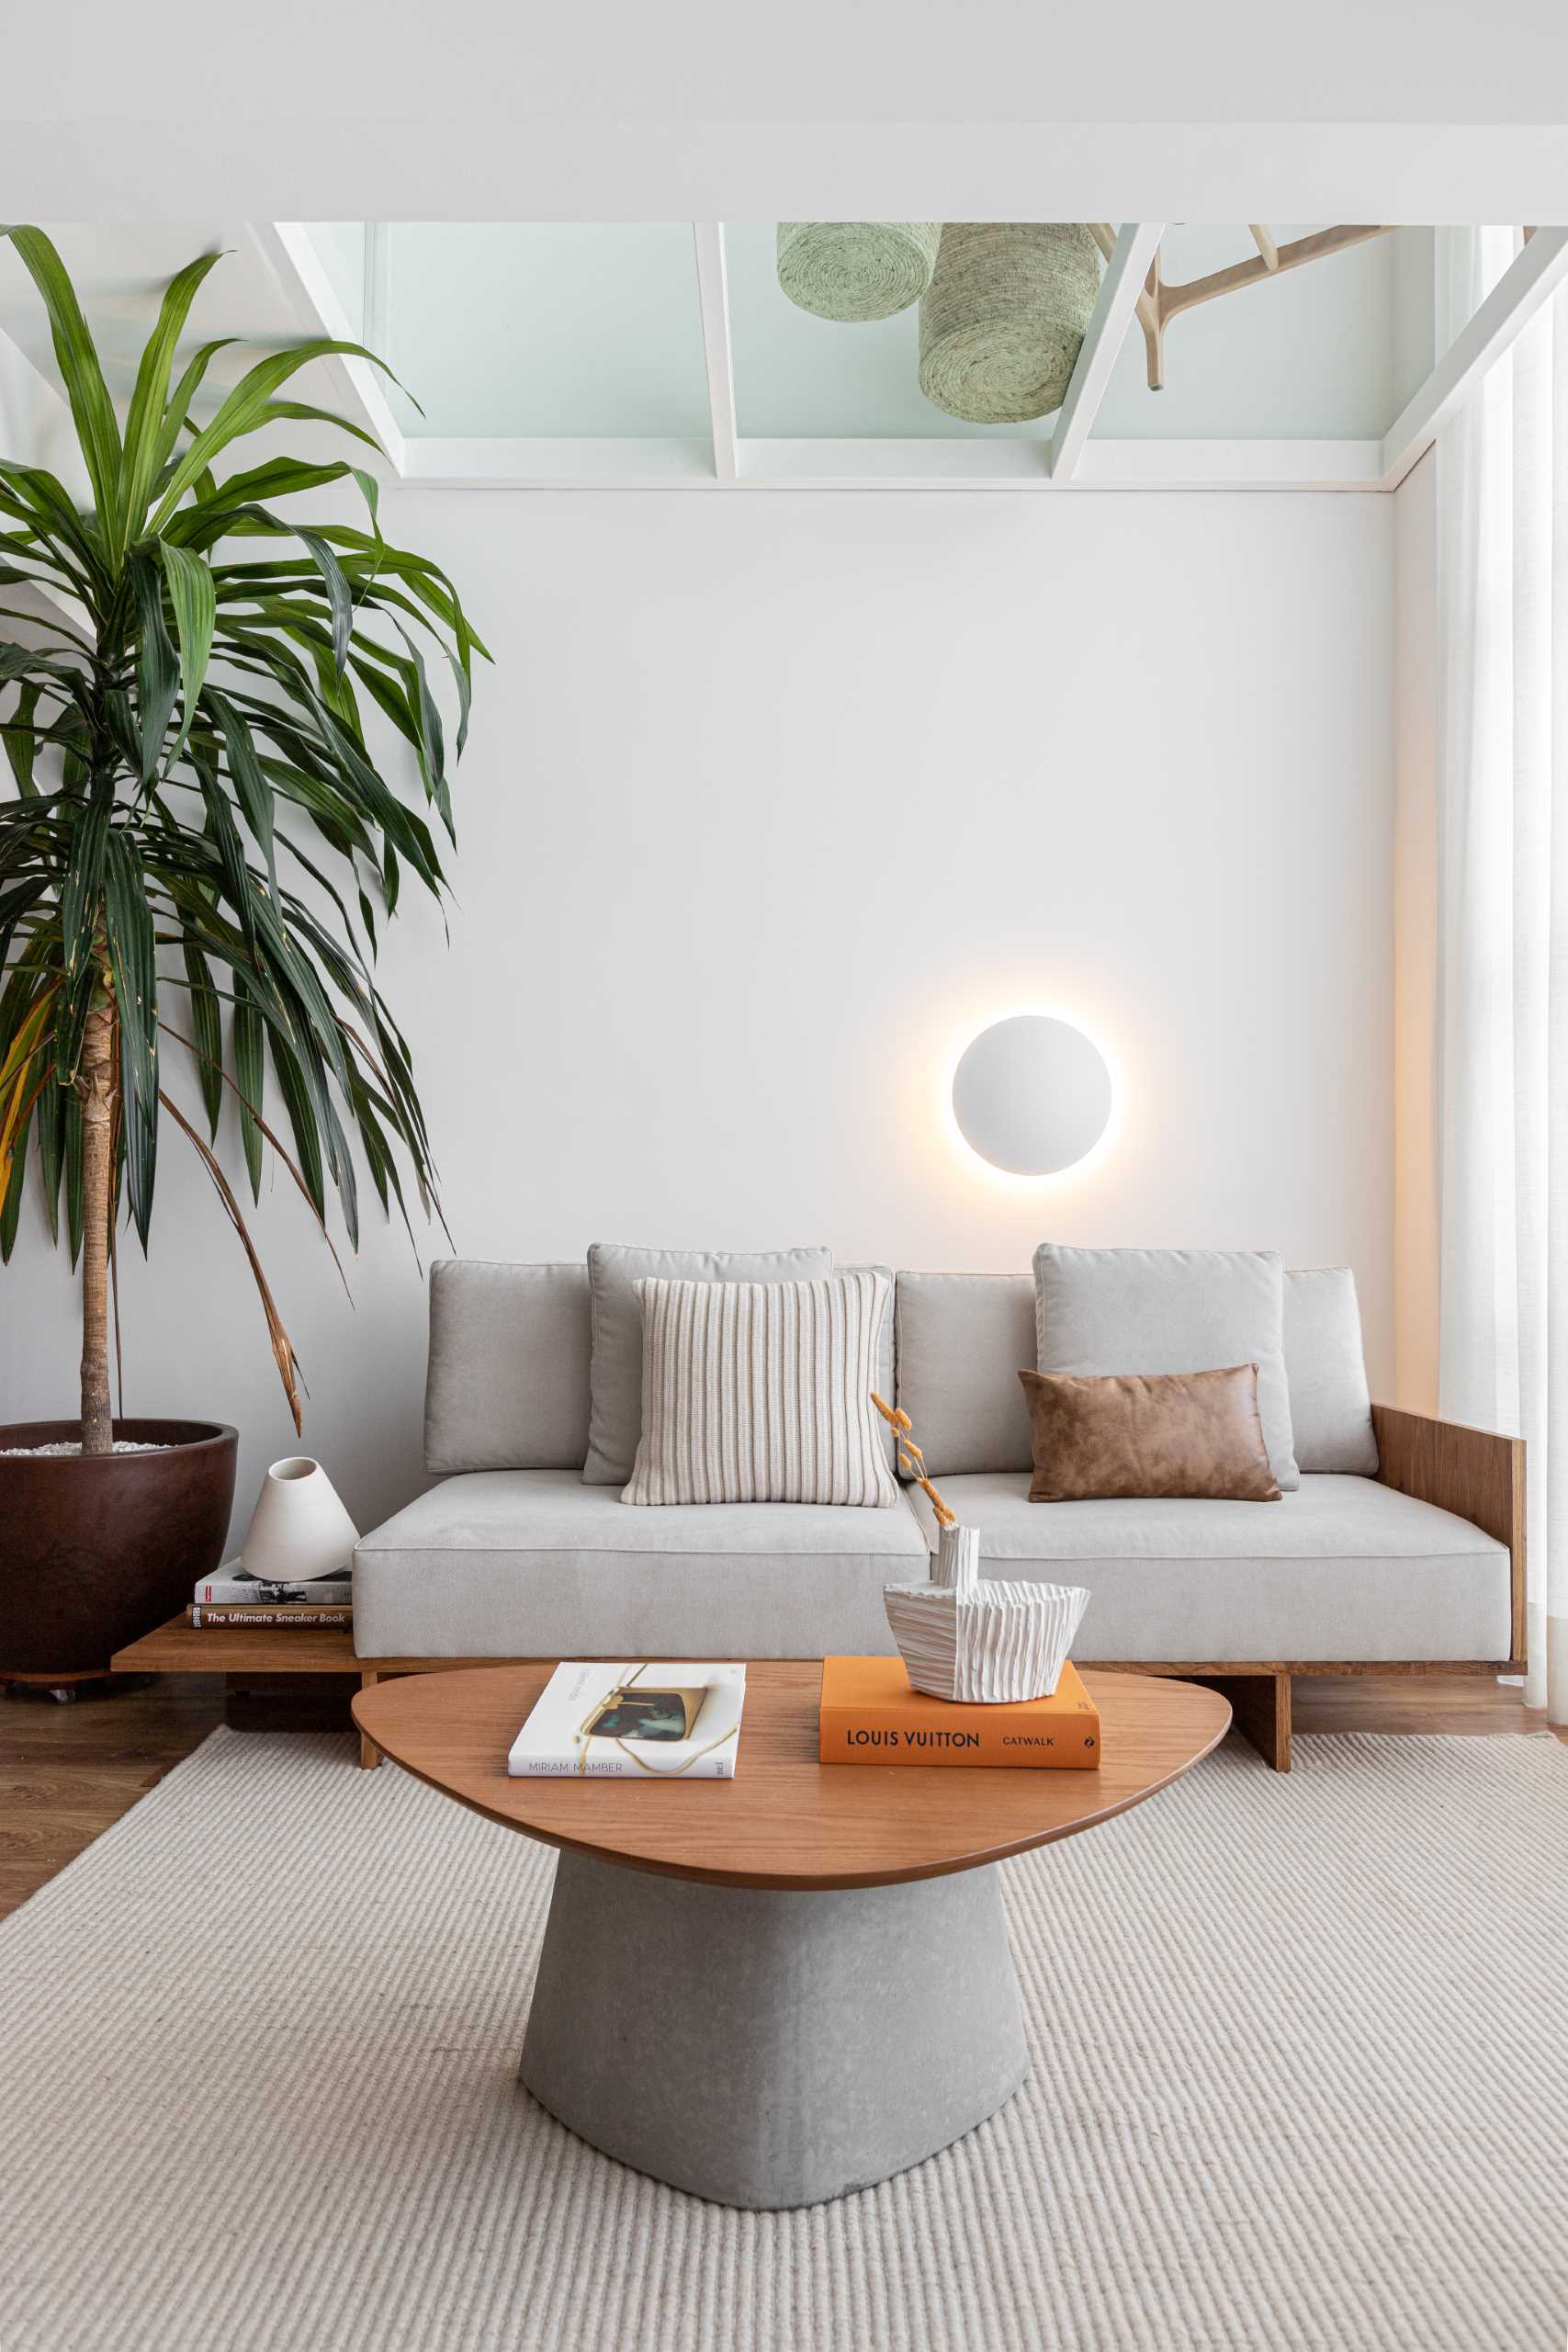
(67,1772)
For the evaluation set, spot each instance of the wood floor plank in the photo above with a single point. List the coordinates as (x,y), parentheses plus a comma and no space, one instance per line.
(67,1774)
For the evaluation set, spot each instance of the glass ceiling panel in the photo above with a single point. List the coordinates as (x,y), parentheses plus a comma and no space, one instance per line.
(593,329)
(801,377)
(577,331)
(1331,350)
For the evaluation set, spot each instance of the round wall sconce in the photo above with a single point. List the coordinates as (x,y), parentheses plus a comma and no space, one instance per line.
(1031,1096)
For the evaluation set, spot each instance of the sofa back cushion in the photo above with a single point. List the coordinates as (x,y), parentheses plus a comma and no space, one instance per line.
(962,1341)
(507,1386)
(614,1418)
(1330,1409)
(886,1374)
(508,1379)
(1169,1311)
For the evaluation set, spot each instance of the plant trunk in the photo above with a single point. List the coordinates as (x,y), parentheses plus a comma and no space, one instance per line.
(97,1085)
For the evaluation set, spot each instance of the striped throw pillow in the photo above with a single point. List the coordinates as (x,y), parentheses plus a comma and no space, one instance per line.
(760,1393)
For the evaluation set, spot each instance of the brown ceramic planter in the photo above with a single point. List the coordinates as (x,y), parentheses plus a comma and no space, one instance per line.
(96,1549)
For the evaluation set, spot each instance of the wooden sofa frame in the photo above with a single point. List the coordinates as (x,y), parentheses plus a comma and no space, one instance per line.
(1473,1472)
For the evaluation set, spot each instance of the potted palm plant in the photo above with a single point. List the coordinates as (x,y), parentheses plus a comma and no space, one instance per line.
(197,845)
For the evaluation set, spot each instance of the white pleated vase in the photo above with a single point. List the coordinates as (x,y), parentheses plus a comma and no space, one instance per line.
(957,1566)
(298,1528)
(983,1643)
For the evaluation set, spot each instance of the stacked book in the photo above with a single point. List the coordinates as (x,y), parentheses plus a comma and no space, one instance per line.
(649,1721)
(869,1714)
(232,1597)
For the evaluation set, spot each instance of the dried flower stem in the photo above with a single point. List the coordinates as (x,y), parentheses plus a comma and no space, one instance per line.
(912,1459)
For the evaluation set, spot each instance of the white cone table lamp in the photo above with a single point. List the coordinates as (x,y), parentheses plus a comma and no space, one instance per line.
(299,1529)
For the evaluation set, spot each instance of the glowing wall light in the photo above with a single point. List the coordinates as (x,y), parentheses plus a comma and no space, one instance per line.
(1031,1094)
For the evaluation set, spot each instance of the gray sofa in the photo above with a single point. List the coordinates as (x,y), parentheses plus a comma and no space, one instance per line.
(1411,1560)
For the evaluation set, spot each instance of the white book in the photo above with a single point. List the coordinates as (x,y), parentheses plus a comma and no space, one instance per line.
(230,1587)
(633,1720)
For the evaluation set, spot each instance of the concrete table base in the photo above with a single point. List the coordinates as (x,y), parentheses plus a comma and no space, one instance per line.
(766,2049)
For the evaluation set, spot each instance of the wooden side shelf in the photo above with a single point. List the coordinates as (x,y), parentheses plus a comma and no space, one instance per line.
(268,1651)
(180,1648)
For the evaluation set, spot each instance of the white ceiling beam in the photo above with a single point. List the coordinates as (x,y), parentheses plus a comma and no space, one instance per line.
(1230,465)
(1136,245)
(296,265)
(712,294)
(929,464)
(376,284)
(1014,465)
(933,462)
(487,153)
(601,464)
(1530,280)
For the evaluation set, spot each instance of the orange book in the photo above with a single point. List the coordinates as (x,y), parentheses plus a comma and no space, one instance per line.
(869,1715)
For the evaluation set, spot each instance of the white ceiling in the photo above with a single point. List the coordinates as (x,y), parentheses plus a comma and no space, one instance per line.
(882,60)
(1367,109)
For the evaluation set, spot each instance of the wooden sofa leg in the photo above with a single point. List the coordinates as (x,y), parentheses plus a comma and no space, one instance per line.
(1260,1707)
(369,1754)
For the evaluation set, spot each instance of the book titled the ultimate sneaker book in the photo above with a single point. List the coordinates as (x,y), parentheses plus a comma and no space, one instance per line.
(637,1719)
(317,1613)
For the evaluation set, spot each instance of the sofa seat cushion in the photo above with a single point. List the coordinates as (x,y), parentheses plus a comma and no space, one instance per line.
(537,1563)
(1339,1568)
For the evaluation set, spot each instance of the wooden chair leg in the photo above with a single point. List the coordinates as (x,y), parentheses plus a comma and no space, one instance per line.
(1260,1706)
(369,1754)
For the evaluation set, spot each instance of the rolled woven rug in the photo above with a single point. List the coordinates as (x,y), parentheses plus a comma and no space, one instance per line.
(1004,316)
(856,269)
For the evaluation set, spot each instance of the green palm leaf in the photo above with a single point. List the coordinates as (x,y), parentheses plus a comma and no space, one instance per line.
(144,423)
(158,669)
(92,410)
(244,411)
(250,1076)
(127,923)
(151,751)
(195,601)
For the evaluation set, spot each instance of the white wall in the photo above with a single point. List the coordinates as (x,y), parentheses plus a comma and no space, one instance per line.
(769,803)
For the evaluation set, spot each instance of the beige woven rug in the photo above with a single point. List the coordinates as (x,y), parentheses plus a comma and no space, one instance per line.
(1301,2080)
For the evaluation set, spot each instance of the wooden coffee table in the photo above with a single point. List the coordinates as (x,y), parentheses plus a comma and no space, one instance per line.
(778,1988)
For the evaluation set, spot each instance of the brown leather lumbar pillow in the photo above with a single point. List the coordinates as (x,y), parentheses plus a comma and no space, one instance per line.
(1148,1434)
